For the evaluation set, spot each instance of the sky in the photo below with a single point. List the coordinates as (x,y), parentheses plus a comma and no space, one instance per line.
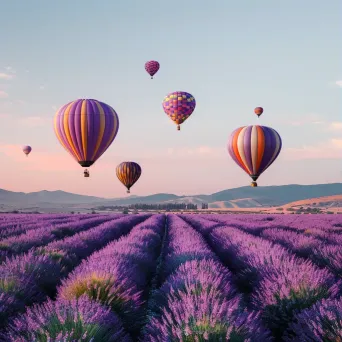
(231,55)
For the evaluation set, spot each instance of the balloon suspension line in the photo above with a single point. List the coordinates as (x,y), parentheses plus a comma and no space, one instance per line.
(27,155)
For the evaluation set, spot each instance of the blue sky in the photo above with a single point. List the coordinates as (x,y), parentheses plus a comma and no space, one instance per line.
(231,55)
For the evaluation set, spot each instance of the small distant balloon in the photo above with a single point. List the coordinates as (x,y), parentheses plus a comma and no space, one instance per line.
(128,173)
(152,67)
(27,150)
(254,149)
(179,105)
(258,111)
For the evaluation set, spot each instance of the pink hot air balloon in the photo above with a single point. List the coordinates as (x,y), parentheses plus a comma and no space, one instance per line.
(179,105)
(27,150)
(152,67)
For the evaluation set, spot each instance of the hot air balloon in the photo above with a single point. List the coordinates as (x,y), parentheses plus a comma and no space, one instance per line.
(86,128)
(27,150)
(152,67)
(179,106)
(258,111)
(128,173)
(254,149)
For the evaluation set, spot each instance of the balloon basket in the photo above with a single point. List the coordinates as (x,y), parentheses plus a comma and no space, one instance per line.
(128,192)
(86,173)
(178,128)
(151,77)
(254,184)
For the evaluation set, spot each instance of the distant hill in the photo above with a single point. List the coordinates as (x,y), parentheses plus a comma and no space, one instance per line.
(10,197)
(277,195)
(243,197)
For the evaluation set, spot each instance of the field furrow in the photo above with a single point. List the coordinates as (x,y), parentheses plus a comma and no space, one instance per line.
(44,234)
(321,253)
(276,281)
(176,278)
(322,247)
(11,229)
(196,300)
(30,278)
(116,277)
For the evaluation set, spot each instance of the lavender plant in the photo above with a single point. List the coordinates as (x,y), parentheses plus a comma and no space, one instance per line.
(63,321)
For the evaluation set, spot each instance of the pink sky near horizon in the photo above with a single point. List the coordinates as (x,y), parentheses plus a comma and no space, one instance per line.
(184,171)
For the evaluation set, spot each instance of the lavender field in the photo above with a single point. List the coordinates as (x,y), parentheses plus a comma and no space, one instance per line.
(168,278)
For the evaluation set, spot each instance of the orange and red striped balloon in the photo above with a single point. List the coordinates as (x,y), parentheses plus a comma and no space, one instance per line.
(254,149)
(258,111)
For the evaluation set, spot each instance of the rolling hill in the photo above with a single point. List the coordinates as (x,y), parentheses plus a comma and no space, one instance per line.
(243,197)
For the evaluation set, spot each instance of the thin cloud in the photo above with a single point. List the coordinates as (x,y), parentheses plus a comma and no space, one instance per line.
(331,149)
(7,77)
(10,69)
(339,83)
(34,121)
(3,94)
(335,126)
(42,87)
(200,151)
(309,119)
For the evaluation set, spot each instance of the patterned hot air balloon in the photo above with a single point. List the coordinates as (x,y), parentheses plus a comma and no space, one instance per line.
(86,128)
(254,149)
(27,150)
(179,106)
(152,67)
(258,111)
(128,173)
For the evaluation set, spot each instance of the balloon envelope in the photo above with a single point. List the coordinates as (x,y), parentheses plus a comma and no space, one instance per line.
(254,148)
(152,67)
(27,149)
(258,111)
(128,173)
(179,105)
(86,128)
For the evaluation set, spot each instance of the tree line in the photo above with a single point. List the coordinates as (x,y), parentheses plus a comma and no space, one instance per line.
(156,206)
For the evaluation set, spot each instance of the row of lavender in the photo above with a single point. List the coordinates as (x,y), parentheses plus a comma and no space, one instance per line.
(44,231)
(104,298)
(197,300)
(299,301)
(29,278)
(167,271)
(316,238)
(170,272)
(18,224)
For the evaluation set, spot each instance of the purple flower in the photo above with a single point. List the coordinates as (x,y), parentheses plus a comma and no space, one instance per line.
(117,275)
(76,320)
(322,322)
(204,318)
